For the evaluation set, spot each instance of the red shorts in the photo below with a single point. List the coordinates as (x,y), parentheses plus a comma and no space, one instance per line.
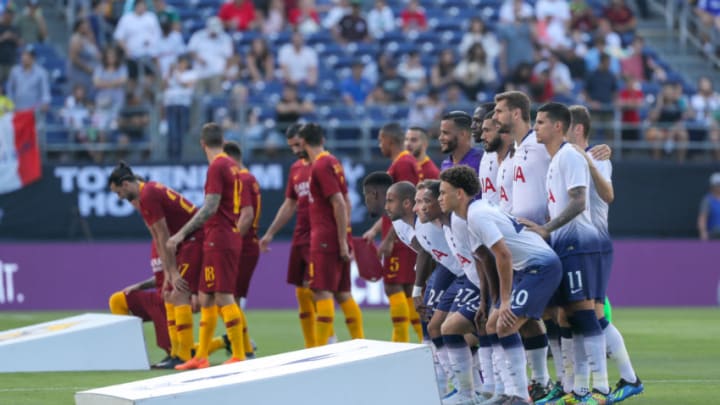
(298,265)
(149,306)
(219,270)
(399,268)
(245,273)
(189,263)
(328,272)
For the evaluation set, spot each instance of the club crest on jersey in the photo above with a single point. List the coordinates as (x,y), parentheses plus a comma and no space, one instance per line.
(519,176)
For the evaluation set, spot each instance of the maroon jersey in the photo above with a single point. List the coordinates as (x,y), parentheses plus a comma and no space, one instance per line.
(157,268)
(403,168)
(158,201)
(223,178)
(298,189)
(327,178)
(428,170)
(250,197)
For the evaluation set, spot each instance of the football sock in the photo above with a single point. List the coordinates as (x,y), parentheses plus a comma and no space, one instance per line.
(513,348)
(184,328)
(536,352)
(568,356)
(617,351)
(325,318)
(476,371)
(594,341)
(444,358)
(581,370)
(353,319)
(208,321)
(553,335)
(414,318)
(233,318)
(461,363)
(247,343)
(486,364)
(216,344)
(440,375)
(306,313)
(118,304)
(399,314)
(172,329)
(498,364)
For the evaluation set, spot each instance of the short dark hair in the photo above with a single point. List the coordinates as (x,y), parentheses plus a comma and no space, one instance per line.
(233,150)
(393,131)
(432,185)
(292,130)
(489,115)
(121,172)
(312,134)
(487,108)
(212,135)
(557,112)
(461,119)
(421,130)
(378,179)
(581,116)
(405,190)
(463,177)
(516,100)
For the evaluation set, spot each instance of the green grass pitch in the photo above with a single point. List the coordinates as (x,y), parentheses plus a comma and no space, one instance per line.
(675,351)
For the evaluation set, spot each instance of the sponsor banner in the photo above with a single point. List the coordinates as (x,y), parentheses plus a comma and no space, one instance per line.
(82,276)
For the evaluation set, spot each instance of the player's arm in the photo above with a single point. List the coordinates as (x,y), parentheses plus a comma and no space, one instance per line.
(369,236)
(574,208)
(161,234)
(142,285)
(604,188)
(424,265)
(286,211)
(490,273)
(210,206)
(340,213)
(503,262)
(386,245)
(244,222)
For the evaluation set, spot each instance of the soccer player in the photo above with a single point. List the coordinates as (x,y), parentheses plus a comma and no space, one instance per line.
(496,164)
(297,202)
(577,241)
(601,195)
(330,253)
(221,251)
(398,259)
(247,224)
(416,142)
(165,212)
(456,142)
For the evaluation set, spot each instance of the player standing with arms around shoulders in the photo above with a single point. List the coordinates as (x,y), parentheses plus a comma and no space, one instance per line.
(417,141)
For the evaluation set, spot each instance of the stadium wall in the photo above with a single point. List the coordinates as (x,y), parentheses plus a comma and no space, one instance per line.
(81,276)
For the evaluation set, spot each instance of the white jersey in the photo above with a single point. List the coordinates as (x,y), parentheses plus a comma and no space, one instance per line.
(598,208)
(458,238)
(487,172)
(530,166)
(505,184)
(568,169)
(405,232)
(431,238)
(489,225)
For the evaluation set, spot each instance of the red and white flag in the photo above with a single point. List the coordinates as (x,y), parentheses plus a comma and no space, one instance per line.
(20,162)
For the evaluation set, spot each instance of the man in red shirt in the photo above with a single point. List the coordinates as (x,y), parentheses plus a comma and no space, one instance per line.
(413,17)
(620,16)
(238,15)
(221,251)
(330,253)
(416,142)
(165,212)
(631,99)
(398,259)
(297,202)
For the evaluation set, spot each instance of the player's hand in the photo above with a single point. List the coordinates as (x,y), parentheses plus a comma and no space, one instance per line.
(480,318)
(173,242)
(370,235)
(179,283)
(264,243)
(345,254)
(421,308)
(506,316)
(532,226)
(601,152)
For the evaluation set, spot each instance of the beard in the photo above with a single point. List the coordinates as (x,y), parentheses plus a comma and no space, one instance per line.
(493,145)
(504,127)
(302,155)
(449,147)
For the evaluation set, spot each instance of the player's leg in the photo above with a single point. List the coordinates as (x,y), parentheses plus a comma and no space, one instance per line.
(399,311)
(189,261)
(118,304)
(503,388)
(350,308)
(439,296)
(324,279)
(248,262)
(298,275)
(406,277)
(226,279)
(148,306)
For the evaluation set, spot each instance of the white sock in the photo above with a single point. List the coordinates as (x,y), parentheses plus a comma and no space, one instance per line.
(568,354)
(617,351)
(537,359)
(476,372)
(517,363)
(444,359)
(486,367)
(461,363)
(499,368)
(595,349)
(581,370)
(557,358)
(440,375)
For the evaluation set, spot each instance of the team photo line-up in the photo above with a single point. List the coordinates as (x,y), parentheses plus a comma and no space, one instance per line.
(492,259)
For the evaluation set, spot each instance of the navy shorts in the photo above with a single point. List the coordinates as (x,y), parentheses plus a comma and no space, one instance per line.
(446,302)
(517,276)
(438,285)
(534,287)
(579,278)
(606,261)
(467,300)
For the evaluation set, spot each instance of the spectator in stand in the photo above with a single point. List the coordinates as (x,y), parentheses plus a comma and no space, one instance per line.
(474,73)
(630,101)
(170,46)
(414,72)
(393,85)
(454,96)
(667,123)
(574,55)
(426,111)
(83,57)
(305,17)
(600,95)
(593,55)
(211,49)
(709,13)
(479,34)
(76,117)
(178,99)
(275,20)
(6,105)
(132,122)
(355,89)
(352,27)
(101,29)
(517,41)
(559,75)
(556,9)
(442,73)
(29,86)
(167,15)
(31,23)
(704,113)
(290,108)
(512,8)
(260,62)
(708,221)
(138,33)
(613,42)
(109,79)
(621,17)
(413,17)
(635,63)
(520,78)
(238,15)
(298,62)
(541,86)
(340,9)
(553,16)
(380,19)
(582,17)
(9,43)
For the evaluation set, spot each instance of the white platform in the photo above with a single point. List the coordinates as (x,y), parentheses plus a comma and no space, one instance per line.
(358,372)
(88,342)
